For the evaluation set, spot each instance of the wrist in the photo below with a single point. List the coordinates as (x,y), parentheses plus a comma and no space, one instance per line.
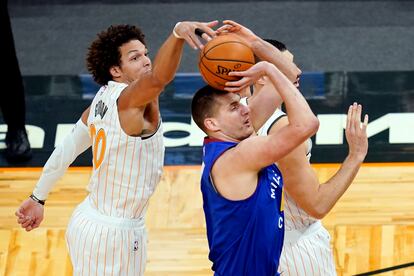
(175,32)
(35,199)
(357,158)
(257,46)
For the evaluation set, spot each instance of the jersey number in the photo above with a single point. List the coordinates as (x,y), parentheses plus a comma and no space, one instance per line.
(99,145)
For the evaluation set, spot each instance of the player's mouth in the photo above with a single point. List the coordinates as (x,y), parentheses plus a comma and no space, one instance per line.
(247,122)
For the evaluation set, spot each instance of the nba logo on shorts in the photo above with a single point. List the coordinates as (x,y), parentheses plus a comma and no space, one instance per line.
(135,245)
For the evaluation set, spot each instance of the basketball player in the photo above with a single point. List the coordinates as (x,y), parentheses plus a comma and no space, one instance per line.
(306,249)
(241,186)
(106,234)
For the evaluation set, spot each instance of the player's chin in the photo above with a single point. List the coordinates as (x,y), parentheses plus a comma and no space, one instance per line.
(249,131)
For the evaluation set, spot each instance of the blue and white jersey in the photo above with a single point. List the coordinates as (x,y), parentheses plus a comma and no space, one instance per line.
(245,236)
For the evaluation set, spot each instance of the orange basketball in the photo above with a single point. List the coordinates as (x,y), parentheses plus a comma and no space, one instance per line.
(222,55)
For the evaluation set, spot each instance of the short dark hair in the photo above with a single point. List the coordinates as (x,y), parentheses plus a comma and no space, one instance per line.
(203,103)
(104,52)
(279,45)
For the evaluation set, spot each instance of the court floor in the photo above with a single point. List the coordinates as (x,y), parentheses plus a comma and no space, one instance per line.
(372,226)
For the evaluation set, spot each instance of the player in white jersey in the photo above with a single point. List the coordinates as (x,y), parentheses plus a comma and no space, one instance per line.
(306,249)
(106,234)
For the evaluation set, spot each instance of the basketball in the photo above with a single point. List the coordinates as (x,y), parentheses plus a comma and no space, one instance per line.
(222,55)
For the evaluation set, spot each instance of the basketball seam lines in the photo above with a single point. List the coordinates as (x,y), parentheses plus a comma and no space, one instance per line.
(204,55)
(231,60)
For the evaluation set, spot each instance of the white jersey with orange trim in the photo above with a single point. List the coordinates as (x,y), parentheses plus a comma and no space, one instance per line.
(106,234)
(306,248)
(126,169)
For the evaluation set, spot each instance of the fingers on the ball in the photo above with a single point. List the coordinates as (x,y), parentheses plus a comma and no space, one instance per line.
(236,73)
(212,23)
(235,83)
(230,22)
(208,32)
(206,37)
(232,89)
(223,28)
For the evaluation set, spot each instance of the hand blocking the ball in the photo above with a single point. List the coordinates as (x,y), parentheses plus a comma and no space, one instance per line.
(243,32)
(187,30)
(249,76)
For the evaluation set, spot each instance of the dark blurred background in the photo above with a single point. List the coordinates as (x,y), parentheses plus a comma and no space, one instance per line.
(348,50)
(52,35)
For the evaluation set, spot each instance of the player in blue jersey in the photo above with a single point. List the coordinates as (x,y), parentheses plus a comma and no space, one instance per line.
(241,186)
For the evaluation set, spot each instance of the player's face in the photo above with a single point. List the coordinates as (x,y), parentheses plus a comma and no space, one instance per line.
(233,117)
(134,60)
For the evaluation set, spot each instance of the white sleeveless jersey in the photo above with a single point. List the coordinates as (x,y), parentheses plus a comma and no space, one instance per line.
(295,217)
(126,169)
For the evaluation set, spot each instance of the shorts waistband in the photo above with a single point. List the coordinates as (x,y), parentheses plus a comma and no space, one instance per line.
(87,209)
(295,234)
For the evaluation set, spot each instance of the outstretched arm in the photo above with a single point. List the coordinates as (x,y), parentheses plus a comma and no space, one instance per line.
(302,183)
(30,213)
(152,83)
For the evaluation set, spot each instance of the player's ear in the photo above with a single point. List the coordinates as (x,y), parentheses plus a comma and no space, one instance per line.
(211,124)
(115,71)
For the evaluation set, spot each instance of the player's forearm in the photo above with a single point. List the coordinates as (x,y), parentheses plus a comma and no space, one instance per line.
(163,71)
(64,154)
(167,60)
(267,52)
(332,190)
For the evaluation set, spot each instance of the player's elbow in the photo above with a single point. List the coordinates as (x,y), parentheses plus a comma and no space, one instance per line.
(317,212)
(308,128)
(313,125)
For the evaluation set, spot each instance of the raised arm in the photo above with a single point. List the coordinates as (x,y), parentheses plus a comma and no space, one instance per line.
(263,151)
(302,183)
(235,173)
(167,60)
